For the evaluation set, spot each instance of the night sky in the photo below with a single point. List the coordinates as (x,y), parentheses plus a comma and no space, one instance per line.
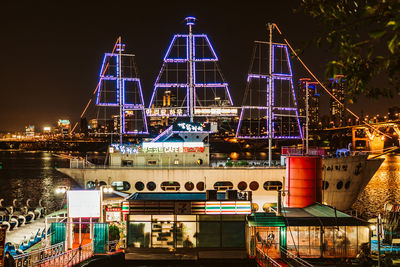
(52,50)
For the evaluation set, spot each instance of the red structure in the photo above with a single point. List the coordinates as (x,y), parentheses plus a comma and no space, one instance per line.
(303,180)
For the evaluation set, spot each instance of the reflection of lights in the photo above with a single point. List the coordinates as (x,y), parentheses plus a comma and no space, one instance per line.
(382,138)
(373,227)
(61,190)
(107,190)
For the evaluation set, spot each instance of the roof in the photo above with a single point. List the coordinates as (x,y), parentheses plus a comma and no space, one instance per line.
(313,215)
(173,196)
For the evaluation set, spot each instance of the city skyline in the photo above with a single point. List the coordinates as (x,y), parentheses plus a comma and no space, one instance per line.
(55,50)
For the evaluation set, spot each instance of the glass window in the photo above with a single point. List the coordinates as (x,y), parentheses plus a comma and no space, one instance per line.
(363,235)
(341,241)
(233,234)
(328,245)
(339,185)
(209,217)
(168,218)
(351,241)
(254,186)
(209,234)
(135,218)
(242,185)
(223,185)
(304,241)
(121,186)
(170,186)
(315,242)
(186,234)
(185,218)
(273,185)
(267,238)
(90,185)
(292,239)
(162,234)
(139,234)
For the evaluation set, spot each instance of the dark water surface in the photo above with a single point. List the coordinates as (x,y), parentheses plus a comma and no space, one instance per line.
(33,175)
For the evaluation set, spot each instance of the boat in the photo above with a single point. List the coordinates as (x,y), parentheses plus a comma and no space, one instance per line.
(178,159)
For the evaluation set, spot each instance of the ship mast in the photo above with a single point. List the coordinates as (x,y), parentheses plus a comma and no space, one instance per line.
(270,90)
(190,21)
(119,85)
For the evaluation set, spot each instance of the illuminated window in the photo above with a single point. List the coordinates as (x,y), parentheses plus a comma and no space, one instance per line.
(90,185)
(176,162)
(170,186)
(254,186)
(223,185)
(273,185)
(121,186)
(189,186)
(242,186)
(152,162)
(199,162)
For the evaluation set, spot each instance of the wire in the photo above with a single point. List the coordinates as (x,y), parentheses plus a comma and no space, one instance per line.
(326,90)
(98,84)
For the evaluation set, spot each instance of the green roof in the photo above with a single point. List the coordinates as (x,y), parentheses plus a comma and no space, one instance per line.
(313,215)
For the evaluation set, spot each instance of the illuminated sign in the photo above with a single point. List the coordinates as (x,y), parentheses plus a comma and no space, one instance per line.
(221,207)
(172,147)
(168,112)
(113,214)
(191,127)
(83,203)
(123,149)
(216,111)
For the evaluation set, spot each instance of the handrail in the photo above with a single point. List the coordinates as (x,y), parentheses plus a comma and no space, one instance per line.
(297,259)
(268,260)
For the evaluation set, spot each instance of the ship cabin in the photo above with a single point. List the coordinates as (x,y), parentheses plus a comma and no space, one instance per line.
(313,232)
(198,225)
(181,145)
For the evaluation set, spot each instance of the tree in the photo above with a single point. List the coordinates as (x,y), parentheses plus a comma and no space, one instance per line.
(364,37)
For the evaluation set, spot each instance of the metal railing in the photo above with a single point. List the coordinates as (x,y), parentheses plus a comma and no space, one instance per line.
(264,260)
(299,261)
(55,256)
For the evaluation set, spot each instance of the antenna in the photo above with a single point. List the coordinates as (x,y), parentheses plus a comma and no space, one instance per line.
(190,22)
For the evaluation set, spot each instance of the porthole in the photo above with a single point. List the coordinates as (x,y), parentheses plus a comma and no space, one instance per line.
(325,185)
(242,186)
(339,185)
(121,186)
(102,183)
(170,186)
(223,185)
(254,185)
(273,185)
(151,186)
(347,185)
(199,162)
(189,186)
(267,206)
(200,186)
(90,185)
(139,186)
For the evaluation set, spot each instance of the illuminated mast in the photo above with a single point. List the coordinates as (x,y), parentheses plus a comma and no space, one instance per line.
(119,89)
(269,108)
(190,83)
(190,21)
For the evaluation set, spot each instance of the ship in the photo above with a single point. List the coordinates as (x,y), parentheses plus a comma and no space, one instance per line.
(178,159)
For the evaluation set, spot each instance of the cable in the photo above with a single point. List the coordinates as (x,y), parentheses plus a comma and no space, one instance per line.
(98,84)
(326,90)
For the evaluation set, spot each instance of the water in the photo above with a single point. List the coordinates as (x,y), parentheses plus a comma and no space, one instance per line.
(383,188)
(33,175)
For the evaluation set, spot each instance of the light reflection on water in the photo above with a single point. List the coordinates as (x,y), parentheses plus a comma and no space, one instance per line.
(383,188)
(32,175)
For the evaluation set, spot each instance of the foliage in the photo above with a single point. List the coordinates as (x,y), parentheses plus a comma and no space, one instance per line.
(113,231)
(229,164)
(364,37)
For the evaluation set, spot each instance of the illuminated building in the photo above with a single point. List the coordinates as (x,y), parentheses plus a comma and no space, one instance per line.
(337,111)
(64,126)
(30,131)
(313,102)
(190,83)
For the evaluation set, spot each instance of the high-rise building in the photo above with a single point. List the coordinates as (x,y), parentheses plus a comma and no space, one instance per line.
(336,86)
(313,102)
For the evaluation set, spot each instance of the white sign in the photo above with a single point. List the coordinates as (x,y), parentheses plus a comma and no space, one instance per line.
(172,147)
(83,203)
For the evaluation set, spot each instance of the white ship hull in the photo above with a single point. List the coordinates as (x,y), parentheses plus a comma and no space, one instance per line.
(358,170)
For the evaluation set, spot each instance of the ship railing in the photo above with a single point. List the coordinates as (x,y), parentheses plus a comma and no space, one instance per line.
(290,257)
(294,151)
(264,260)
(80,164)
(55,256)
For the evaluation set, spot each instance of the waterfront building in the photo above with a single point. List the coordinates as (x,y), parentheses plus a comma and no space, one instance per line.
(64,126)
(313,102)
(336,86)
(30,131)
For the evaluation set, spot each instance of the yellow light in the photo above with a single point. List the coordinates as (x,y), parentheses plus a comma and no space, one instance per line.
(373,227)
